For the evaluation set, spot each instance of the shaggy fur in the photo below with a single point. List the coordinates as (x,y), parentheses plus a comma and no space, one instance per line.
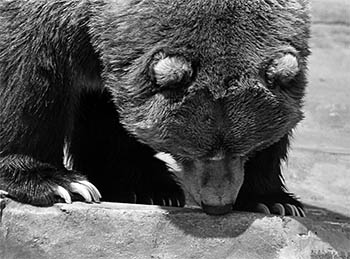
(217,84)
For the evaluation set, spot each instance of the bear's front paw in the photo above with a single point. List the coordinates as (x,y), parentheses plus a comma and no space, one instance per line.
(47,185)
(281,203)
(280,209)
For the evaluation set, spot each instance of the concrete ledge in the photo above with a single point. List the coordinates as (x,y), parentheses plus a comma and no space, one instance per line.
(111,230)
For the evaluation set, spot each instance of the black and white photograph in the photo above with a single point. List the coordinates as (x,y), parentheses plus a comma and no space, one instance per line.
(174,129)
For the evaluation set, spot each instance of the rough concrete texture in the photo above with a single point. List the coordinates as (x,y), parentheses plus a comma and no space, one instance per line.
(318,171)
(137,231)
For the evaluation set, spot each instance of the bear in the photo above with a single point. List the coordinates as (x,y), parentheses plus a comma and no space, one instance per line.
(152,101)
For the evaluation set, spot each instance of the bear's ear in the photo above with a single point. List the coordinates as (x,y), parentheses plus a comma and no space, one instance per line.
(283,68)
(171,71)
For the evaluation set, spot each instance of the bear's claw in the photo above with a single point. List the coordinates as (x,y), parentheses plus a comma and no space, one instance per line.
(173,203)
(260,207)
(279,209)
(63,193)
(3,194)
(164,201)
(84,188)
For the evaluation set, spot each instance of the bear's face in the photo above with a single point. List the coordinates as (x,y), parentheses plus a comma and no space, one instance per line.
(209,83)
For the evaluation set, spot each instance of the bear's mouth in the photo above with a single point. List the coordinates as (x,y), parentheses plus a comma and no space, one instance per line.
(212,183)
(217,210)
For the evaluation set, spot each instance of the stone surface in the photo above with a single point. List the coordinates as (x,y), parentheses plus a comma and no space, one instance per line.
(111,230)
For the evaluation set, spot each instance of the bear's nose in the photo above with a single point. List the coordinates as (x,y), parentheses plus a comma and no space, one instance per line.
(217,210)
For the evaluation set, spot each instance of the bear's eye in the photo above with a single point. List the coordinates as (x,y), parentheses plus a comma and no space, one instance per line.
(282,69)
(170,72)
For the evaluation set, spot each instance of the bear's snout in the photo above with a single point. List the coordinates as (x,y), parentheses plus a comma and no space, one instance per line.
(214,184)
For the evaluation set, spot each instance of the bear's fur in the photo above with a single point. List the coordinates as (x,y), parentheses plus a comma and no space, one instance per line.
(214,85)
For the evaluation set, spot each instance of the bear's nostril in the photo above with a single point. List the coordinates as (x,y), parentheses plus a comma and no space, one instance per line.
(217,210)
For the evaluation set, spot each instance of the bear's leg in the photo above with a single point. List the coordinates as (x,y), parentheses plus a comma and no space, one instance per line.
(37,101)
(263,189)
(34,122)
(122,168)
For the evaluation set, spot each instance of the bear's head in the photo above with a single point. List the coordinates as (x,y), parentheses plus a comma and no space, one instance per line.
(208,82)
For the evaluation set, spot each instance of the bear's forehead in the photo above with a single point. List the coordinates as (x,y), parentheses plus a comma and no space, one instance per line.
(215,28)
(224,35)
